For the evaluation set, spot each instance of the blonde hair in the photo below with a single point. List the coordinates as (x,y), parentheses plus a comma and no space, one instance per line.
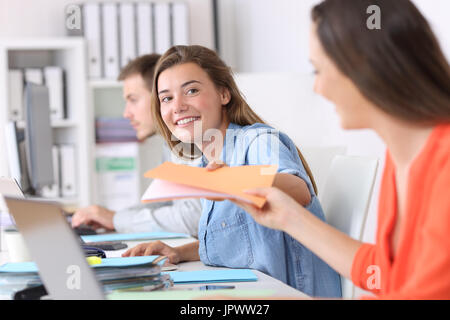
(237,109)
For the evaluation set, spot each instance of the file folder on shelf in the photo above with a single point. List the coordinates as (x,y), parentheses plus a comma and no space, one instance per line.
(34,75)
(54,80)
(15,94)
(110,40)
(145,32)
(127,33)
(92,34)
(174,181)
(180,23)
(162,30)
(53,191)
(68,170)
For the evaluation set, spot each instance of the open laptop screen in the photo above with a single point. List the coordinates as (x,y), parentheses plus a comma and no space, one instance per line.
(8,187)
(55,249)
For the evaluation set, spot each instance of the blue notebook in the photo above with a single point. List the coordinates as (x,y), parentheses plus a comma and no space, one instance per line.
(212,276)
(30,267)
(133,236)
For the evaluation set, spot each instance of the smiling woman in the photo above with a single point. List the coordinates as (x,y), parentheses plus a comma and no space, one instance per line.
(186,85)
(207,65)
(199,105)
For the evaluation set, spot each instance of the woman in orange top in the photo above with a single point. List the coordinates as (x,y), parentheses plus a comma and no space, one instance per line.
(396,81)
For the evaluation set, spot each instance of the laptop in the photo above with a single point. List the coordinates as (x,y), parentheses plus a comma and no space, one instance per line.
(8,187)
(49,237)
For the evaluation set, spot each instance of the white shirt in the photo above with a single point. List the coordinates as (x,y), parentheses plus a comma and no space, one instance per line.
(180,216)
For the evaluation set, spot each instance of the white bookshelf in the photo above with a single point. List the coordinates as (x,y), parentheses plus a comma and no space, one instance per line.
(105,99)
(86,99)
(77,129)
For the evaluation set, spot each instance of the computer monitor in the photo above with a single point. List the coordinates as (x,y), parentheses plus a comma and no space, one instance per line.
(16,152)
(38,137)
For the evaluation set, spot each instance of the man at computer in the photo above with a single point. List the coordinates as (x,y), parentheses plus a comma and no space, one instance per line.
(175,216)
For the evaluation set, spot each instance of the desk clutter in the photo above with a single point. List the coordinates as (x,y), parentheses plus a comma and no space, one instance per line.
(21,280)
(133,236)
(117,275)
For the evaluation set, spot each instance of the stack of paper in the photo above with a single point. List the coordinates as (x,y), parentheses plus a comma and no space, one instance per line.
(122,262)
(213,276)
(114,130)
(113,273)
(133,236)
(173,181)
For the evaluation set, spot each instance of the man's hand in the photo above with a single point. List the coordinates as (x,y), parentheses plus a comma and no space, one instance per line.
(94,216)
(154,248)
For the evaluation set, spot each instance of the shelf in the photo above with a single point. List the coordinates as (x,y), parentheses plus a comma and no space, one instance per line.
(63,123)
(66,202)
(42,43)
(105,83)
(69,53)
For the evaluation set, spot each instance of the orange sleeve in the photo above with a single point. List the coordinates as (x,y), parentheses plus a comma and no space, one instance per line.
(365,257)
(431,279)
(432,274)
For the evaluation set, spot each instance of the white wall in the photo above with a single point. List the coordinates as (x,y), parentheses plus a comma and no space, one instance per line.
(272,35)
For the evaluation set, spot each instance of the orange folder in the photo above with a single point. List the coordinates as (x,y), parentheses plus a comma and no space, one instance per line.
(174,181)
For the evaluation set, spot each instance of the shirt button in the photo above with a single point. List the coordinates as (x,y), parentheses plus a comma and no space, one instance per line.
(224,224)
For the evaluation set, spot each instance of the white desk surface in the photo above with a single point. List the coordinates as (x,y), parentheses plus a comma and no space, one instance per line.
(264,282)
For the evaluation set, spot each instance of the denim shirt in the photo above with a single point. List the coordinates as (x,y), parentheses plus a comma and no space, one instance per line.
(230,237)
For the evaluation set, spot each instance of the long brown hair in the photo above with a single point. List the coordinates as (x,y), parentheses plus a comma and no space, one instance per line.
(399,67)
(238,111)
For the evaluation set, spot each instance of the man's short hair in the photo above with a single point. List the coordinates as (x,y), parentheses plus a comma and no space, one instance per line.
(144,66)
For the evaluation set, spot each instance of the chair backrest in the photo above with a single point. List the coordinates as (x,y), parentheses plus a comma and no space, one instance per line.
(346,197)
(319,160)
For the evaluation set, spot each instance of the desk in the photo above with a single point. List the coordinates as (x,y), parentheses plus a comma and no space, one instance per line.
(264,282)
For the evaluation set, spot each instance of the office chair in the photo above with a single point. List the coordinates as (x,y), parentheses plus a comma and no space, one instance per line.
(346,197)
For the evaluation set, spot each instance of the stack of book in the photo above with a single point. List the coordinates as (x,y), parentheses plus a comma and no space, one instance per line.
(114,130)
(115,274)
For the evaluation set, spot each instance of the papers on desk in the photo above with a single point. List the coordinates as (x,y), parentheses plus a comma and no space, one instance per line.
(178,277)
(123,262)
(212,276)
(174,181)
(195,277)
(113,273)
(133,236)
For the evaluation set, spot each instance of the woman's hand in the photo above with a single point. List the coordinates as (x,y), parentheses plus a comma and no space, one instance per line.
(279,211)
(214,165)
(154,248)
